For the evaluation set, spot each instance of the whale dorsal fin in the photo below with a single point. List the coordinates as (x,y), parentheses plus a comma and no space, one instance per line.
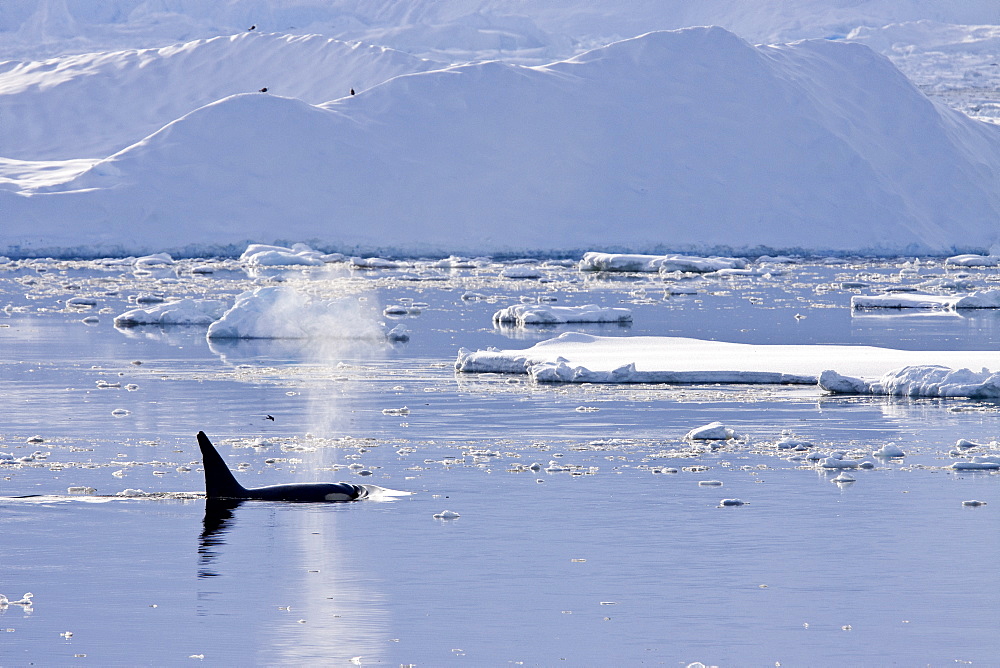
(220,483)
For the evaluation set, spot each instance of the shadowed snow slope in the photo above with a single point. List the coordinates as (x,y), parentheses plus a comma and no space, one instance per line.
(95,104)
(690,140)
(448,26)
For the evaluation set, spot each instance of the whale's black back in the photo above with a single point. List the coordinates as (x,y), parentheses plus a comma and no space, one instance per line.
(220,483)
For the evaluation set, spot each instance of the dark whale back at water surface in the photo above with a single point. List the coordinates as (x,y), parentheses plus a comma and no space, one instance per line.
(220,483)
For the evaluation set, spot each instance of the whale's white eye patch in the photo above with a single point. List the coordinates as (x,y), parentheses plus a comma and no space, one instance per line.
(338,496)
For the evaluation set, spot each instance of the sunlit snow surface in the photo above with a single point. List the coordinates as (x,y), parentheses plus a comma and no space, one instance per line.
(588,527)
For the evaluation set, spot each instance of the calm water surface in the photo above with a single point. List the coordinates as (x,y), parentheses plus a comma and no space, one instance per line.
(614,562)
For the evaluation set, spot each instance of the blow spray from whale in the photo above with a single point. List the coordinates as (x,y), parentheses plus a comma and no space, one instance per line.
(220,483)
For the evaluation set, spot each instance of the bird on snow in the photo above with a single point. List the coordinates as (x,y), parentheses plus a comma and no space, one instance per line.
(263,90)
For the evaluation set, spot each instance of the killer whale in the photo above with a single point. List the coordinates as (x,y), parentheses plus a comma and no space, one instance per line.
(220,483)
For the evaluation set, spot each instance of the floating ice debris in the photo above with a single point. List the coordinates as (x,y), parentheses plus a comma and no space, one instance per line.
(35,439)
(986,299)
(974,260)
(731,502)
(396,411)
(81,490)
(132,492)
(523,315)
(155,260)
(81,302)
(398,333)
(372,263)
(25,601)
(963,443)
(6,457)
(587,409)
(791,443)
(843,478)
(976,466)
(535,466)
(594,261)
(972,503)
(446,515)
(261,255)
(66,634)
(919,381)
(121,412)
(187,311)
(521,271)
(834,462)
(365,472)
(889,450)
(710,483)
(714,431)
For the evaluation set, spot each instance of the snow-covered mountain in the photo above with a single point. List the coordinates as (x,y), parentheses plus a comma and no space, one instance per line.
(683,140)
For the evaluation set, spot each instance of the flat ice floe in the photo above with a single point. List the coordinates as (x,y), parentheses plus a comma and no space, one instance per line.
(188,311)
(582,358)
(532,314)
(984,299)
(594,261)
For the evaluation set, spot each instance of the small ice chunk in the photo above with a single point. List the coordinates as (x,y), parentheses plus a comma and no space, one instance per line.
(399,333)
(710,483)
(446,515)
(396,411)
(972,503)
(731,502)
(833,462)
(714,431)
(81,490)
(889,450)
(843,478)
(131,492)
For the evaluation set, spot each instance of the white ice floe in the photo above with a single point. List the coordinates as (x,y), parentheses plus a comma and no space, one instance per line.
(976,466)
(521,271)
(974,260)
(154,260)
(576,357)
(82,489)
(532,314)
(919,381)
(262,255)
(986,299)
(888,451)
(714,431)
(282,312)
(446,515)
(843,478)
(595,261)
(187,311)
(835,462)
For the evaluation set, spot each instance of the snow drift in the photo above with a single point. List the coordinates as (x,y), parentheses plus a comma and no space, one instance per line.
(689,141)
(96,104)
